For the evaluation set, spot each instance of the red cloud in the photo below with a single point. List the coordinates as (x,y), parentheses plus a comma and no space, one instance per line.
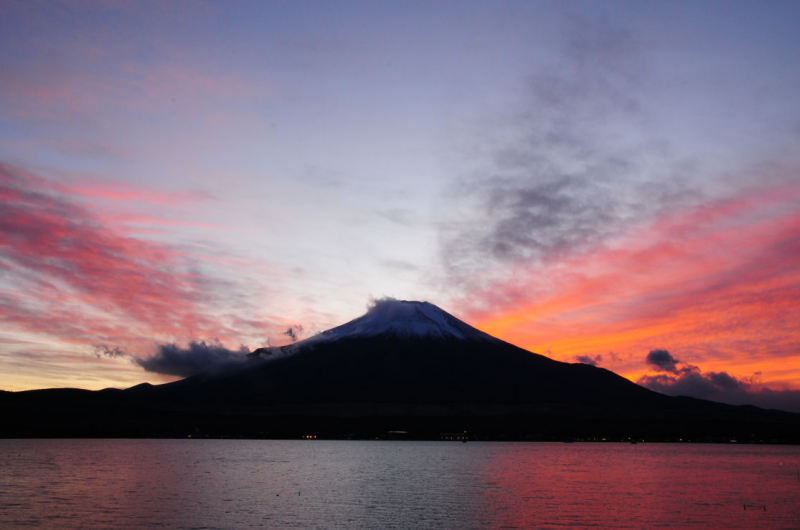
(74,278)
(71,258)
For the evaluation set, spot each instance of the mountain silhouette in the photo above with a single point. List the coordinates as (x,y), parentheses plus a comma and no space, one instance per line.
(403,367)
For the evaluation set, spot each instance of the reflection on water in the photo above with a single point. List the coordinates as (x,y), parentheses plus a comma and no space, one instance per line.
(239,483)
(618,485)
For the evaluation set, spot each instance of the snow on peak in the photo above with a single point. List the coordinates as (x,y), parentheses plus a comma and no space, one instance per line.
(403,318)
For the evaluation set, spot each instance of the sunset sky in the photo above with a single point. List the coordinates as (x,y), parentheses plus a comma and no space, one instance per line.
(616,183)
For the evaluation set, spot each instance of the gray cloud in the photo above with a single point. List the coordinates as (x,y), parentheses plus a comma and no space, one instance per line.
(398,265)
(690,381)
(198,357)
(401,216)
(573,166)
(663,361)
(114,352)
(588,359)
(293,332)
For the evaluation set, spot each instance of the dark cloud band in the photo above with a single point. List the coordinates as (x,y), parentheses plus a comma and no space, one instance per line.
(690,381)
(196,358)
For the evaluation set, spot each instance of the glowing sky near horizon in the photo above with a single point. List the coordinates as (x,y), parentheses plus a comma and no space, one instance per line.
(588,180)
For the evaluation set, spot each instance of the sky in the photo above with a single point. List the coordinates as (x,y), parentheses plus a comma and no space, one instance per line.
(614,183)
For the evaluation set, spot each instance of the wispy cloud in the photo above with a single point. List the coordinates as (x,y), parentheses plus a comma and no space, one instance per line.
(56,243)
(70,276)
(293,332)
(56,76)
(573,167)
(127,193)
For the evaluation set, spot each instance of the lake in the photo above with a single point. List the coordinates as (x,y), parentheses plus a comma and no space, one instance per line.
(394,484)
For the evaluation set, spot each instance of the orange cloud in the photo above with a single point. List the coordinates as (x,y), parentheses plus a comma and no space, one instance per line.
(717,285)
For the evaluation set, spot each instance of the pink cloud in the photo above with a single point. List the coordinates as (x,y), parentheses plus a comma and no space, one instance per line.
(126,193)
(47,90)
(44,234)
(74,278)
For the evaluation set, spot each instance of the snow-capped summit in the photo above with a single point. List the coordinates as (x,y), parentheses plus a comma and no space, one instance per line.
(403,318)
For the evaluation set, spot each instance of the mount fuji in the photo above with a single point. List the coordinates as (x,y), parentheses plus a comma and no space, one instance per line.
(404,319)
(403,367)
(413,353)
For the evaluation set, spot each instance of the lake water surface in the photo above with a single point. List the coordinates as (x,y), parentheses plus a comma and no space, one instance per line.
(379,484)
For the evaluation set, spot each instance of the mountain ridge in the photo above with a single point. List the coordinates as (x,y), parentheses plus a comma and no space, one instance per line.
(403,366)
